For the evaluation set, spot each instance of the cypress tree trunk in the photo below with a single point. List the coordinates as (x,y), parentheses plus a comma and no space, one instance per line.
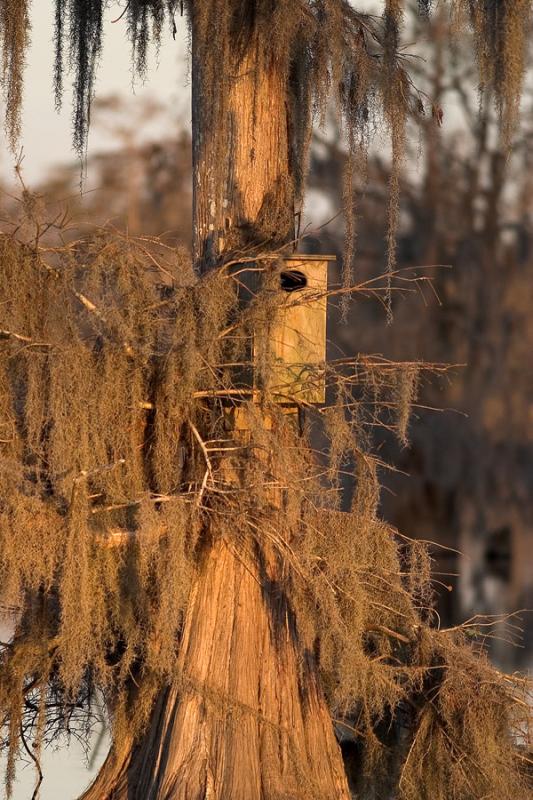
(245,719)
(242,171)
(273,740)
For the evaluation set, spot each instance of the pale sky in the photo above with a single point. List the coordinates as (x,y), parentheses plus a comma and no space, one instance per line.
(46,135)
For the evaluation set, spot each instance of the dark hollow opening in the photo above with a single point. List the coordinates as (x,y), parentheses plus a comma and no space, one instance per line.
(499,553)
(292,280)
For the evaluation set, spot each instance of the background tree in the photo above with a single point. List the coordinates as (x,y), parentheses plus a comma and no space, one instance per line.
(266,621)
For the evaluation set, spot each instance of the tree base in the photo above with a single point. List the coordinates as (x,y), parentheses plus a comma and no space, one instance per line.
(247,720)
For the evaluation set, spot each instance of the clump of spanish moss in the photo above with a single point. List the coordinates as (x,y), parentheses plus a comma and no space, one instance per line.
(395,90)
(501,32)
(78,45)
(81,23)
(120,385)
(14,39)
(405,395)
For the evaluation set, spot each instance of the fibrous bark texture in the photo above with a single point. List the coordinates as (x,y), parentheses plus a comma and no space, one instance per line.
(242,172)
(246,718)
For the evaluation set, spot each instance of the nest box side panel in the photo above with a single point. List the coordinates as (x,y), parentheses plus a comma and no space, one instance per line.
(299,335)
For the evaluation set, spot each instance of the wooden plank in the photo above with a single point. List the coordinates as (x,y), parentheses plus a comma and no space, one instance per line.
(299,335)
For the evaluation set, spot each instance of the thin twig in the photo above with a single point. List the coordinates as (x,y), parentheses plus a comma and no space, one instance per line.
(209,470)
(35,760)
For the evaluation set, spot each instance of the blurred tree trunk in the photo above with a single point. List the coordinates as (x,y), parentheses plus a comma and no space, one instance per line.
(246,718)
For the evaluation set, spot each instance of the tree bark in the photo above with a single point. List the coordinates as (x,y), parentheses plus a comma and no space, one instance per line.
(243,188)
(245,718)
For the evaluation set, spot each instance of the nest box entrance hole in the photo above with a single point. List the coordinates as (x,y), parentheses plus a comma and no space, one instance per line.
(292,280)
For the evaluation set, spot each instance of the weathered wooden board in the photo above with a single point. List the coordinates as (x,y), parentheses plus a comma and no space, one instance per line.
(299,335)
(297,338)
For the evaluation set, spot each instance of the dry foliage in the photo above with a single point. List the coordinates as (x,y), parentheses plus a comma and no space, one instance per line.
(501,31)
(14,38)
(118,466)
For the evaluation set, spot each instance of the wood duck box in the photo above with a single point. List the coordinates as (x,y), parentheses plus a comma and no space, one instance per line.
(296,338)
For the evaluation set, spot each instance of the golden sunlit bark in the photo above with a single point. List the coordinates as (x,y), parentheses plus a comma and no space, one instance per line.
(246,719)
